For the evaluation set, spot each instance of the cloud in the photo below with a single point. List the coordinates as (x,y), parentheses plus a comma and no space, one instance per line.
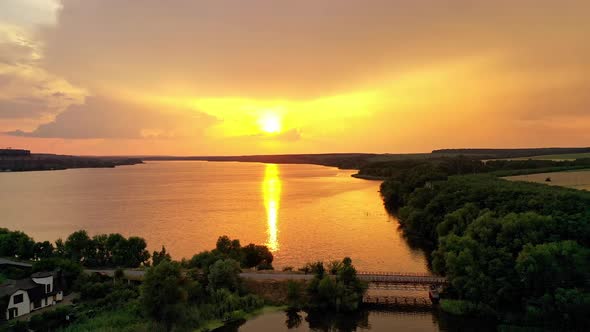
(109,119)
(27,91)
(350,74)
(24,108)
(295,49)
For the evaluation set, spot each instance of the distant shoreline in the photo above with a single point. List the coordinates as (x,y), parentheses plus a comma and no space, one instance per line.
(50,162)
(369,177)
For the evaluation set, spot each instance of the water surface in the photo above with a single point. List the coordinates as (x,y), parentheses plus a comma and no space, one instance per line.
(302,212)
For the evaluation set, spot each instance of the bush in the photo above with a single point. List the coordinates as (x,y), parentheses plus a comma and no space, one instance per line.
(467,308)
(52,320)
(341,293)
(224,274)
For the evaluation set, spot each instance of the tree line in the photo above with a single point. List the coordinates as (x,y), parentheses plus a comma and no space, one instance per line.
(102,250)
(465,164)
(115,250)
(518,251)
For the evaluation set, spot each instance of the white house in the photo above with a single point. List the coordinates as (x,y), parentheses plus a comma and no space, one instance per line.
(42,289)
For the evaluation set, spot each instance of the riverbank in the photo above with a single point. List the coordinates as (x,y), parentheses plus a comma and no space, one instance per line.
(369,177)
(215,325)
(51,162)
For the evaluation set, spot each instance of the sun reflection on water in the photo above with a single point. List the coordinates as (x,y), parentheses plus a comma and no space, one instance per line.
(271,189)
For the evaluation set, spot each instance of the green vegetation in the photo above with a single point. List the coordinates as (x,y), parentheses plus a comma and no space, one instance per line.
(510,247)
(250,256)
(101,250)
(466,308)
(126,319)
(105,250)
(160,256)
(512,153)
(566,156)
(399,169)
(16,245)
(336,289)
(173,296)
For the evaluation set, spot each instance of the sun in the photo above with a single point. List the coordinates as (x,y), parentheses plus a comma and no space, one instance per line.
(270,124)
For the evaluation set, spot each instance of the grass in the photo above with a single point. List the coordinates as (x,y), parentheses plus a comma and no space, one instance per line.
(572,179)
(119,320)
(570,156)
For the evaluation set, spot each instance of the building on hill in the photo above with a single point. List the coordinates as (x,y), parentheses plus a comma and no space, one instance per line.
(21,297)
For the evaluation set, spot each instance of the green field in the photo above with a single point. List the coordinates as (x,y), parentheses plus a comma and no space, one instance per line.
(571,179)
(571,156)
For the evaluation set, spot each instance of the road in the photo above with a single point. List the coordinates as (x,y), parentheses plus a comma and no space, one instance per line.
(139,274)
(369,277)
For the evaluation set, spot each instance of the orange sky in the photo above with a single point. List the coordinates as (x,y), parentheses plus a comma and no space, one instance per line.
(215,77)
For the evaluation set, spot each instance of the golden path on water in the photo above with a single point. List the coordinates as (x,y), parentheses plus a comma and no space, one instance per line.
(271,190)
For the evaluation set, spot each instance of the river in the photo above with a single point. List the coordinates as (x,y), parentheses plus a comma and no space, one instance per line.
(302,213)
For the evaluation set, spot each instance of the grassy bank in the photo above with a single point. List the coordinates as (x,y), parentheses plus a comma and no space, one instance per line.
(125,320)
(240,316)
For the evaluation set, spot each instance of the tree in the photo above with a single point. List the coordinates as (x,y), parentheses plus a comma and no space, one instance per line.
(78,245)
(43,249)
(16,244)
(158,257)
(256,255)
(229,248)
(548,266)
(224,245)
(101,255)
(117,247)
(342,292)
(60,248)
(334,267)
(163,293)
(224,274)
(137,253)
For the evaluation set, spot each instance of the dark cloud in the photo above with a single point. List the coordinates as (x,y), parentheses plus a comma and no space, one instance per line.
(24,108)
(294,48)
(102,118)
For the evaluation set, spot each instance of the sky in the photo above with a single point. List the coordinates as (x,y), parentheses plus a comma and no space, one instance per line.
(228,77)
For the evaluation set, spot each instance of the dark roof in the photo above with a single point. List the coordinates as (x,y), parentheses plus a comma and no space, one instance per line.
(11,286)
(8,287)
(36,291)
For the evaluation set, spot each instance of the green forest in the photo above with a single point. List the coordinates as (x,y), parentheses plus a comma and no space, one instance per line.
(517,251)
